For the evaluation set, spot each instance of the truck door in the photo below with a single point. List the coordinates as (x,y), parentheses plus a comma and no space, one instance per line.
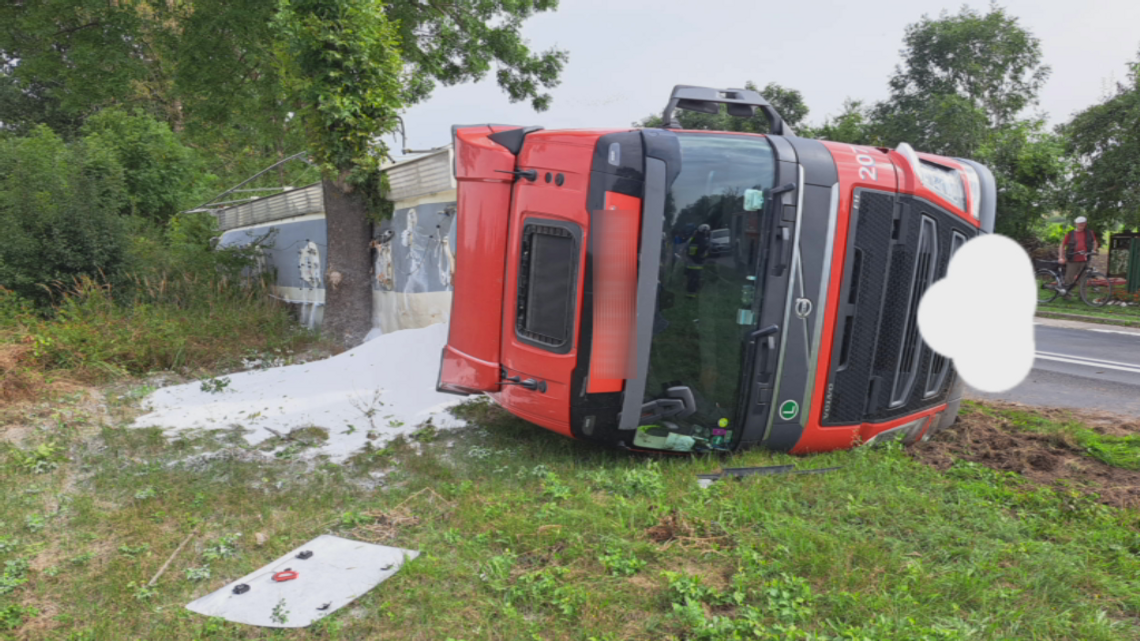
(471,359)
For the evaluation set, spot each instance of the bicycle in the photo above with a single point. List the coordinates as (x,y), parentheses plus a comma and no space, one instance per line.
(1095,287)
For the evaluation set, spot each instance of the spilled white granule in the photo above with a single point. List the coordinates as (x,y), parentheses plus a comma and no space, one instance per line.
(385,387)
(981,313)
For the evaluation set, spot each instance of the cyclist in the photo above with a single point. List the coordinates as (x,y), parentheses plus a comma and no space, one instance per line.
(1075,250)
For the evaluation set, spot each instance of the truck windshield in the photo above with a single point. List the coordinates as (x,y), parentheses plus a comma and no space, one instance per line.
(707,290)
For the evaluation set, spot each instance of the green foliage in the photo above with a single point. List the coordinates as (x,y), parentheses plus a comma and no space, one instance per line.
(1053,234)
(198,574)
(967,69)
(215,385)
(40,459)
(15,574)
(160,173)
(461,41)
(632,481)
(133,551)
(1029,165)
(852,125)
(221,548)
(73,58)
(1105,141)
(12,616)
(618,563)
(59,208)
(342,67)
(964,81)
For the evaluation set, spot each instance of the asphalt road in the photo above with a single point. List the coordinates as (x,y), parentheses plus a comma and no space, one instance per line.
(1081,365)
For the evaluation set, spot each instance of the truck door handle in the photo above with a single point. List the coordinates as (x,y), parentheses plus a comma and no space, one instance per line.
(766,348)
(764,342)
(783,244)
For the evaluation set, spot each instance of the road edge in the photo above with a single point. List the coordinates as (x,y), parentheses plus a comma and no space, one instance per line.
(1089,319)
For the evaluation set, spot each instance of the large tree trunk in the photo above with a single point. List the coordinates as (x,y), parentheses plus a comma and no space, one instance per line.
(348,281)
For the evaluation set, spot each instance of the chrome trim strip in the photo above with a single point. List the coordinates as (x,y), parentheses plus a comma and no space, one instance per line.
(788,304)
(648,271)
(821,304)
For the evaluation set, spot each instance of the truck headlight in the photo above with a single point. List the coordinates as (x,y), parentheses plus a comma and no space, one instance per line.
(975,191)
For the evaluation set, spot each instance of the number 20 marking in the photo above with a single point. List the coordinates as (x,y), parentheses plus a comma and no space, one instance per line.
(867,169)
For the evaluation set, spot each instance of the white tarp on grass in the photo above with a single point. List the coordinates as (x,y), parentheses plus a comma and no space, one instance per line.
(336,573)
(383,389)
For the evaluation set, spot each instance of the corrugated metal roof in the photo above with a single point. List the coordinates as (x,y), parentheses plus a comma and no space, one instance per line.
(428,174)
(422,176)
(298,202)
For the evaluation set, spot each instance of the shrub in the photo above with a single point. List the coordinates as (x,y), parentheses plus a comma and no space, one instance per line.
(161,174)
(59,209)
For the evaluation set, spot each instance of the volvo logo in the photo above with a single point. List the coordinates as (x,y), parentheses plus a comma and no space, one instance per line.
(803,307)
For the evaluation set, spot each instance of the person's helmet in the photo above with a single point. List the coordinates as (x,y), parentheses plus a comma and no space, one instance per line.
(703,228)
(1081,219)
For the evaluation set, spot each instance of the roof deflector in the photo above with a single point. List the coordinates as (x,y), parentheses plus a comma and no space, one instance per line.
(741,102)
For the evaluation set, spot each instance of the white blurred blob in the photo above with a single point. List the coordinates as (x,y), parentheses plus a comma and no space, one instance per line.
(981,313)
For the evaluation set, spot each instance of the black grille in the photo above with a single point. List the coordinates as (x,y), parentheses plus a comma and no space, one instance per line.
(871,249)
(883,368)
(939,364)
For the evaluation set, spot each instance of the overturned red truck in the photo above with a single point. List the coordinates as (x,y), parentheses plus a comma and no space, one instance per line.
(688,291)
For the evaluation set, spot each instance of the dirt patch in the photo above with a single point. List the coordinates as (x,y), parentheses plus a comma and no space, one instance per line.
(1046,459)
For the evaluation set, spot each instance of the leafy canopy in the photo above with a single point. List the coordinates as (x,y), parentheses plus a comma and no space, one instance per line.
(342,70)
(960,90)
(1105,143)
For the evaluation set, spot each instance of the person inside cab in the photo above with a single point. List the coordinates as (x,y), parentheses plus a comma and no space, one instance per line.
(699,246)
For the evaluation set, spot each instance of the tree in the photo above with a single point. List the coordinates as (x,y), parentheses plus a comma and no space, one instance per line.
(960,91)
(961,73)
(852,125)
(1104,140)
(62,60)
(346,79)
(789,103)
(343,69)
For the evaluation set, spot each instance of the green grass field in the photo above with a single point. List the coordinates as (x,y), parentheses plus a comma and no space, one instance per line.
(527,535)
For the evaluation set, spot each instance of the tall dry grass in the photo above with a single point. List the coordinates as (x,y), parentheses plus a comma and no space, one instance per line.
(185,322)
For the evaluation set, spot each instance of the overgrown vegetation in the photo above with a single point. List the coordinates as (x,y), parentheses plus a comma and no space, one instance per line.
(526,534)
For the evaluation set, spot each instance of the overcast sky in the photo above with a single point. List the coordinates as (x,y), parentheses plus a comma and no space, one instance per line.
(626,55)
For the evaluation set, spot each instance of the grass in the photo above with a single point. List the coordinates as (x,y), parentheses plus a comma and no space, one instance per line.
(1117,451)
(526,535)
(186,324)
(1072,304)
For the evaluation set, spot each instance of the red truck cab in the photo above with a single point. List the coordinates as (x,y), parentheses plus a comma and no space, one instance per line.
(591,298)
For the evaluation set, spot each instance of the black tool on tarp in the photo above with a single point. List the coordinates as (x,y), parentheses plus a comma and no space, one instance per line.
(241,588)
(741,472)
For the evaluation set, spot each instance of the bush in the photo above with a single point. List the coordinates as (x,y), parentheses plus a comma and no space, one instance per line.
(162,176)
(59,209)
